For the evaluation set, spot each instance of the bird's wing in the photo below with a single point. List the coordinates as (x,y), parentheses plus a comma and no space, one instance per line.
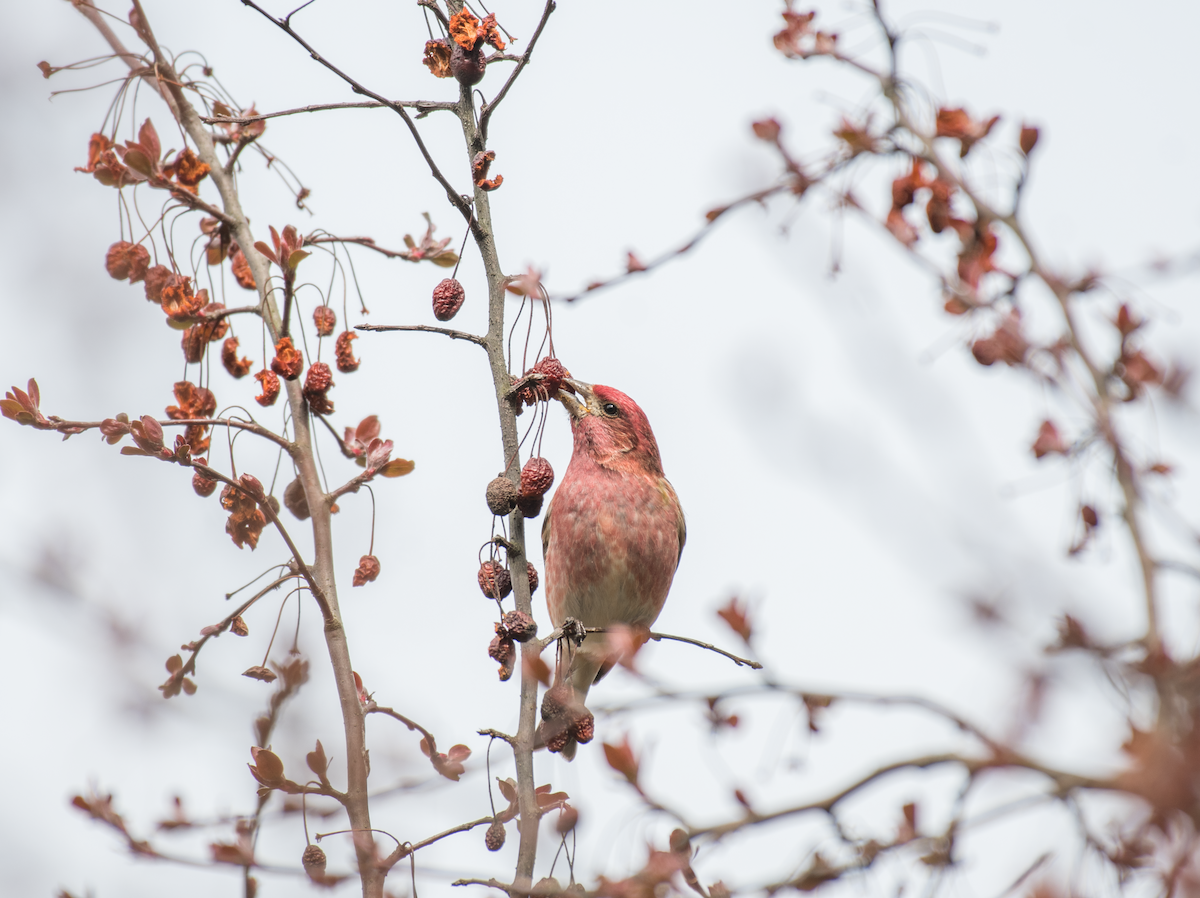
(546,527)
(669,493)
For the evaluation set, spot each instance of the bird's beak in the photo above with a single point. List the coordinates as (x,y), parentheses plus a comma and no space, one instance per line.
(577,407)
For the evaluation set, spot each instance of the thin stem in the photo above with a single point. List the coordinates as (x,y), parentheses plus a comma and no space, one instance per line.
(423,107)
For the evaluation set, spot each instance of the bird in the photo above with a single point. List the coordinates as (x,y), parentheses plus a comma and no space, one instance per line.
(613,533)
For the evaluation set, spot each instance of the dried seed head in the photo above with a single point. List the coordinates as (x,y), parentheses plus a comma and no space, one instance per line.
(296,501)
(519,626)
(533,577)
(325,320)
(494,840)
(502,496)
(448,298)
(536,477)
(313,859)
(531,506)
(494,580)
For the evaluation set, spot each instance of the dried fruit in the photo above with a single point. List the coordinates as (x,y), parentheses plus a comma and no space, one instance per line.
(518,625)
(448,298)
(270,387)
(295,500)
(553,374)
(536,477)
(501,649)
(530,506)
(367,570)
(156,279)
(494,580)
(557,700)
(437,57)
(532,573)
(314,860)
(494,840)
(246,520)
(204,486)
(316,384)
(235,366)
(325,320)
(480,164)
(346,362)
(194,344)
(467,66)
(502,496)
(288,363)
(568,817)
(127,260)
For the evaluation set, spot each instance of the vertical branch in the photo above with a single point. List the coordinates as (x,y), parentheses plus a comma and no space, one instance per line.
(494,340)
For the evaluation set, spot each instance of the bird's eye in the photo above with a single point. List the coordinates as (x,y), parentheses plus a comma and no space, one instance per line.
(610,409)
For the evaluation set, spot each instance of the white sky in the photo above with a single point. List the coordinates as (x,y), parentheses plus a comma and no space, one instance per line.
(844,463)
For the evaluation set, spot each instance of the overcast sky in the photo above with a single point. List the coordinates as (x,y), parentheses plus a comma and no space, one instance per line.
(845,465)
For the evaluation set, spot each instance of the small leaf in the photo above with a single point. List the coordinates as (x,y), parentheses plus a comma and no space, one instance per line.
(266,251)
(397,467)
(318,763)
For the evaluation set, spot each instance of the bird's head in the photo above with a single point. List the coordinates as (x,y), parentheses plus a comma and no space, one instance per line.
(609,427)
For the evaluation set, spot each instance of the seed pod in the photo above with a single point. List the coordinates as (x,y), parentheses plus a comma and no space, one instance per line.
(494,840)
(536,477)
(296,501)
(467,66)
(502,496)
(448,298)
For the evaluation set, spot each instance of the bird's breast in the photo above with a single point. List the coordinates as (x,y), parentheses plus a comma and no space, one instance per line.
(612,548)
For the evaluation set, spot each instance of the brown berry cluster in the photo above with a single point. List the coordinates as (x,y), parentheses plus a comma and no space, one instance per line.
(565,720)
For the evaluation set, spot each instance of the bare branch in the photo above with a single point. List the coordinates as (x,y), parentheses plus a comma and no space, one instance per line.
(423,107)
(426,328)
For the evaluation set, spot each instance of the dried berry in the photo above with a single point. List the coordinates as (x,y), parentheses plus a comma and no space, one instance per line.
(584,727)
(367,570)
(314,861)
(194,344)
(567,818)
(437,57)
(536,477)
(235,366)
(530,506)
(468,66)
(204,486)
(553,374)
(532,573)
(316,384)
(325,320)
(519,626)
(288,363)
(502,496)
(494,580)
(127,260)
(270,387)
(296,501)
(156,279)
(494,840)
(448,298)
(501,649)
(346,362)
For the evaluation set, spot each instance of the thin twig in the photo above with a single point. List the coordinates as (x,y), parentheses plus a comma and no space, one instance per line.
(426,328)
(424,107)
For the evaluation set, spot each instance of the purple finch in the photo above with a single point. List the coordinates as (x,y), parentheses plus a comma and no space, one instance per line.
(613,532)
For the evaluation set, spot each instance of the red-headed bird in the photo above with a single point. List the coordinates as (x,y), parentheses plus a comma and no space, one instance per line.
(613,532)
